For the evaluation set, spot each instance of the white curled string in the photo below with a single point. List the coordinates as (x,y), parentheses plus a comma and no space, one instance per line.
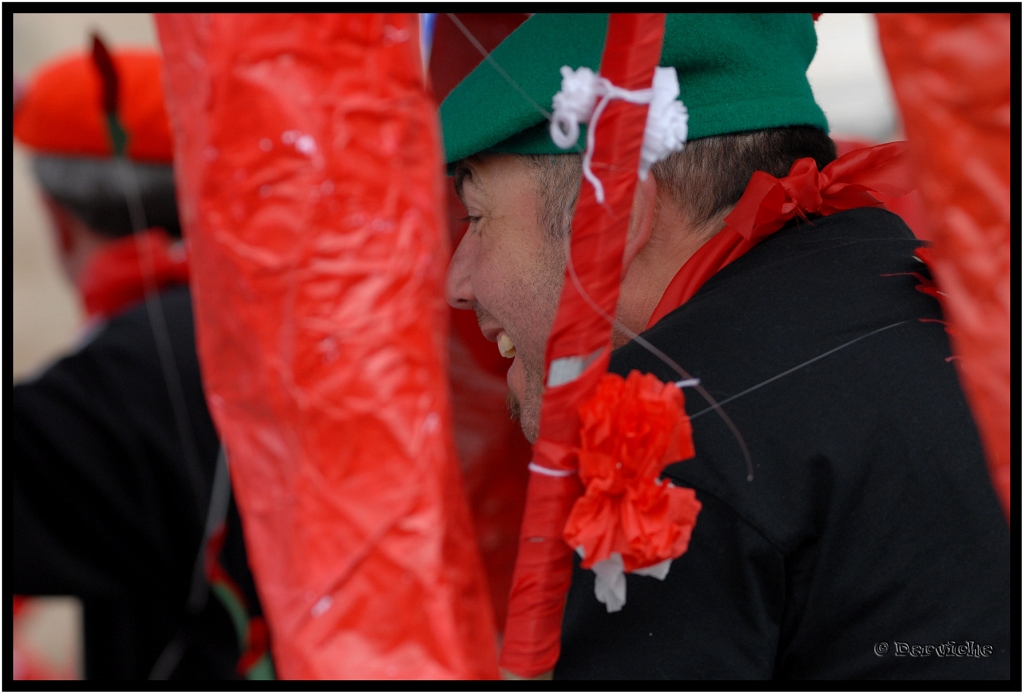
(550,472)
(583,98)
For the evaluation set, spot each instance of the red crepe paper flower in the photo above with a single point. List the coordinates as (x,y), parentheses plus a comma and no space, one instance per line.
(630,430)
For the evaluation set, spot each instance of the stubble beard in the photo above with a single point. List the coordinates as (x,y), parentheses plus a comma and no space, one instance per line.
(512,403)
(527,410)
(531,429)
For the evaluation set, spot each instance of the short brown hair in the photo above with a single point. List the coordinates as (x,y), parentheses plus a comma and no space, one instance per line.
(706,178)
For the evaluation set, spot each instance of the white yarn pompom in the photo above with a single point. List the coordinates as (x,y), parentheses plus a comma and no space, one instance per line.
(573,105)
(665,131)
(667,120)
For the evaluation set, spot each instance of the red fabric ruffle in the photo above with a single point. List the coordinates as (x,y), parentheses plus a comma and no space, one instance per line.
(121,273)
(768,203)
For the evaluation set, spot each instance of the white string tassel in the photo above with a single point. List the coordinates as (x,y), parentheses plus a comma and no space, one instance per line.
(583,98)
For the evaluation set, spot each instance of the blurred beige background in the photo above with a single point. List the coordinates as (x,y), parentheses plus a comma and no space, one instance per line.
(848,76)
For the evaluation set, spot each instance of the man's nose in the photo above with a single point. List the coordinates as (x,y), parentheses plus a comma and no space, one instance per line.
(458,284)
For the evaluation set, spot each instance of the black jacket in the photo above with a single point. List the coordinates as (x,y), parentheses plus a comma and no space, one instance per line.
(870,525)
(107,493)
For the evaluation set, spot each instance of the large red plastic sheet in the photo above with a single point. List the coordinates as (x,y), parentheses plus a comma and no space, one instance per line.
(544,563)
(309,182)
(951,75)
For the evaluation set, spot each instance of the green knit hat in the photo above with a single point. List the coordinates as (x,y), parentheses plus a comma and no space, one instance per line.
(737,72)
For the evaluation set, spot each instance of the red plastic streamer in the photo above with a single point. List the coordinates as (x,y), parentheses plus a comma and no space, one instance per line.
(309,168)
(951,76)
(544,564)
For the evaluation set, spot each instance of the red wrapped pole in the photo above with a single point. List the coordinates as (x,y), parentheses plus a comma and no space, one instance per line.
(544,563)
(951,76)
(309,180)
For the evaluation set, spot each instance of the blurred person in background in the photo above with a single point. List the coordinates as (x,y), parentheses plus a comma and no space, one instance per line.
(119,490)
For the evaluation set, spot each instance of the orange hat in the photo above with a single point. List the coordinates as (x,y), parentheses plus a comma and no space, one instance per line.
(61,112)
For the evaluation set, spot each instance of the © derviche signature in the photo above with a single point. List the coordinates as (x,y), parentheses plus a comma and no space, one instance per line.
(950,649)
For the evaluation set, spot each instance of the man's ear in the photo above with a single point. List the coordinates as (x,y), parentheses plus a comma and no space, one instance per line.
(641,220)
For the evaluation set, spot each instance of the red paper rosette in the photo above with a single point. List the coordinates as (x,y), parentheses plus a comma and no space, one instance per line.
(630,430)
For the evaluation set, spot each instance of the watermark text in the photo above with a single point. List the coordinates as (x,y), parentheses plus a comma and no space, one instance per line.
(950,649)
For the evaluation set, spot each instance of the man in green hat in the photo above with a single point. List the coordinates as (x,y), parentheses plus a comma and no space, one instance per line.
(866,529)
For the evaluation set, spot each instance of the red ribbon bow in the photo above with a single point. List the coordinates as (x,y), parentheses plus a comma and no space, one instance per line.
(630,430)
(851,181)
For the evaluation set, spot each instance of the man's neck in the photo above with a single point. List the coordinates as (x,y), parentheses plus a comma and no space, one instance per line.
(673,241)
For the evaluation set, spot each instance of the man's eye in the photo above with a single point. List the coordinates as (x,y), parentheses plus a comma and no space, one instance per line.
(470,220)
